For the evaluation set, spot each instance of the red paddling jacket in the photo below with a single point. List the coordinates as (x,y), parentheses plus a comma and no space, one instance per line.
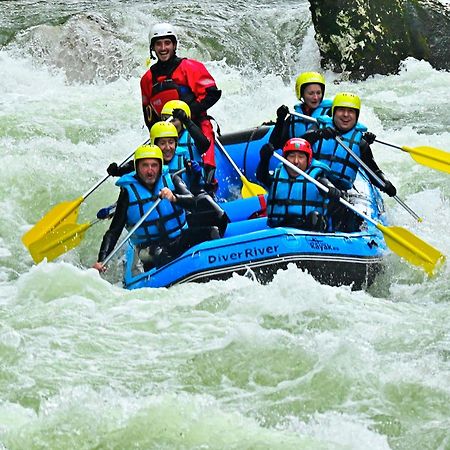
(178,79)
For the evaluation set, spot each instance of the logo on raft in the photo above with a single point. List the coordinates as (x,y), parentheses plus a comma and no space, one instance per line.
(318,244)
(245,253)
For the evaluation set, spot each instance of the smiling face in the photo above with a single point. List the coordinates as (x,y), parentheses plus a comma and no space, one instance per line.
(164,48)
(168,146)
(344,118)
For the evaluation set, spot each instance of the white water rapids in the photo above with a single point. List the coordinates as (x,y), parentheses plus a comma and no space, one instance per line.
(294,364)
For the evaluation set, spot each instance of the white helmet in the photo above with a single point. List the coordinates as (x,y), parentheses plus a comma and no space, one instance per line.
(161,30)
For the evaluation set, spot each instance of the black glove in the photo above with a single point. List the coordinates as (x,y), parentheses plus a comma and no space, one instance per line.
(266,151)
(179,114)
(369,137)
(282,112)
(113,170)
(117,171)
(333,193)
(326,133)
(389,188)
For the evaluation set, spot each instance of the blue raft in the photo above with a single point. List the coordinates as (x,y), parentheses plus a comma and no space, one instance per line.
(251,247)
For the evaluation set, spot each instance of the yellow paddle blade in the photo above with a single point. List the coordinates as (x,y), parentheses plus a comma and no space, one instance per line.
(412,248)
(65,212)
(60,240)
(431,157)
(251,189)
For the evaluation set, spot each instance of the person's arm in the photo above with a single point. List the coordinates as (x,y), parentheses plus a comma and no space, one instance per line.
(202,85)
(146,87)
(368,159)
(333,192)
(115,229)
(262,170)
(115,171)
(280,132)
(200,140)
(315,134)
(195,175)
(148,114)
(183,196)
(212,96)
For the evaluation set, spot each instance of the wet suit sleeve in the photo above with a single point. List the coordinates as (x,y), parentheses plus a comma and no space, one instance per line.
(262,170)
(211,98)
(200,140)
(115,229)
(333,193)
(326,182)
(368,159)
(126,168)
(312,135)
(280,132)
(185,198)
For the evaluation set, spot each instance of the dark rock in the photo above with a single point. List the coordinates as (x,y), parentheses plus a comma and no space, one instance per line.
(364,37)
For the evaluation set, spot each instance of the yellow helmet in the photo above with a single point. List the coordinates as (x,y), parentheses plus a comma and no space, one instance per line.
(163,129)
(307,78)
(346,100)
(148,151)
(176,104)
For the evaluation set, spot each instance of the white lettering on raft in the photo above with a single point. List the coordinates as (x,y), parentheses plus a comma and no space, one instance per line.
(245,253)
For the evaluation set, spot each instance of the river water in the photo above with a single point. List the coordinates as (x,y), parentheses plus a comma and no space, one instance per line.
(225,365)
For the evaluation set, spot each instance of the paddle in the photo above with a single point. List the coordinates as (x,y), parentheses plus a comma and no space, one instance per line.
(60,240)
(130,233)
(137,225)
(401,241)
(62,213)
(376,178)
(65,237)
(248,189)
(68,235)
(364,165)
(427,156)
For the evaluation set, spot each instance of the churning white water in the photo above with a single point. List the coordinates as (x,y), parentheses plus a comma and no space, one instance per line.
(293,364)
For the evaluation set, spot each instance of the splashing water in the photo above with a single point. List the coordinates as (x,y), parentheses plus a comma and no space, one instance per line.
(293,364)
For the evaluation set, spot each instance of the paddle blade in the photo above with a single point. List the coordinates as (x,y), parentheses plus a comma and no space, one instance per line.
(62,239)
(412,248)
(430,157)
(251,189)
(65,212)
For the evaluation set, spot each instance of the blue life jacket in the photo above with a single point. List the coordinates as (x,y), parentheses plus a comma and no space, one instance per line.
(164,223)
(187,147)
(176,164)
(342,165)
(294,197)
(299,126)
(189,150)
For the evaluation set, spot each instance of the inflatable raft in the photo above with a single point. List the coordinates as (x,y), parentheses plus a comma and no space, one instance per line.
(251,247)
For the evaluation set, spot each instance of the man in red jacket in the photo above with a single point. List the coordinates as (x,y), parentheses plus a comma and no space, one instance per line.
(174,78)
